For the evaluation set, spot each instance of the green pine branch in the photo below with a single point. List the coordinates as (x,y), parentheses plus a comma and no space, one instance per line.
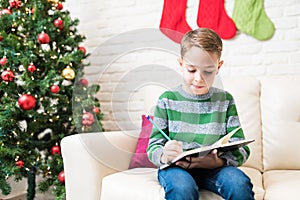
(27,136)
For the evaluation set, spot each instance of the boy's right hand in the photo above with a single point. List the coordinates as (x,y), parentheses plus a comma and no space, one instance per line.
(171,150)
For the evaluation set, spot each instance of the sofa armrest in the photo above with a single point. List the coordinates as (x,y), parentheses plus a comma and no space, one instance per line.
(89,157)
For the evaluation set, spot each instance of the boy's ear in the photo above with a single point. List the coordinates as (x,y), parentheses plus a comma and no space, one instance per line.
(180,61)
(220,65)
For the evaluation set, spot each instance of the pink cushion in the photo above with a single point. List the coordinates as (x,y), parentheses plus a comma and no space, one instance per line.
(140,158)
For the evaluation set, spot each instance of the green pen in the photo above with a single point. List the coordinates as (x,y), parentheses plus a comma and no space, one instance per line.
(156,126)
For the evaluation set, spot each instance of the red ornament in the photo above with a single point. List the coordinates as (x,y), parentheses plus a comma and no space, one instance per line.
(31,68)
(84,82)
(87,119)
(54,89)
(82,49)
(96,110)
(20,163)
(26,102)
(7,75)
(55,150)
(43,38)
(61,177)
(5,11)
(14,3)
(1,38)
(59,6)
(3,61)
(59,23)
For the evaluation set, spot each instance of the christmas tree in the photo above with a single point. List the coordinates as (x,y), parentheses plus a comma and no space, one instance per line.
(44,95)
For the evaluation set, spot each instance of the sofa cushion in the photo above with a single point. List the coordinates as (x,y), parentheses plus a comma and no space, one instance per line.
(140,157)
(280,107)
(137,183)
(282,184)
(146,187)
(248,107)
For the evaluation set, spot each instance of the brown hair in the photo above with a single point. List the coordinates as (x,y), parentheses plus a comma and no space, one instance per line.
(203,38)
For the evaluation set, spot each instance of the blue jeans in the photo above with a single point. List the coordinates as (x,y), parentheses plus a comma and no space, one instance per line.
(229,182)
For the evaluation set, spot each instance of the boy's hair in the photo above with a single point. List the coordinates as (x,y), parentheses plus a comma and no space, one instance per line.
(203,38)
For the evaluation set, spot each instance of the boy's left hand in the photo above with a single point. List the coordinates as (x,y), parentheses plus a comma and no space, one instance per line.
(210,161)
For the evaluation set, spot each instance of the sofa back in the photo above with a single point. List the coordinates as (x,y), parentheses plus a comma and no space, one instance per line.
(269,110)
(280,108)
(246,93)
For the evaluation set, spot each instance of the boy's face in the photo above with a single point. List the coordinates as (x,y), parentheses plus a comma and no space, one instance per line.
(199,68)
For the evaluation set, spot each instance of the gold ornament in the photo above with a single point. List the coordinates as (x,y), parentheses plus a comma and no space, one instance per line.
(68,73)
(53,1)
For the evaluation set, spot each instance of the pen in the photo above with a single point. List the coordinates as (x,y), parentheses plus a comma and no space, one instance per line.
(156,126)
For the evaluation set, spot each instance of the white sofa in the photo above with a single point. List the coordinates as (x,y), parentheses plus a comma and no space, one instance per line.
(96,164)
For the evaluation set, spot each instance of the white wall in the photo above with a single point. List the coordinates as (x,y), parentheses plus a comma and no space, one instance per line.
(102,20)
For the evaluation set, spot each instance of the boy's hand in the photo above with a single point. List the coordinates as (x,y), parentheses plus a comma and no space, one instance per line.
(171,149)
(210,161)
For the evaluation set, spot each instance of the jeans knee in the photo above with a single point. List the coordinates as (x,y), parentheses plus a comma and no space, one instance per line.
(242,181)
(239,186)
(177,184)
(185,188)
(180,191)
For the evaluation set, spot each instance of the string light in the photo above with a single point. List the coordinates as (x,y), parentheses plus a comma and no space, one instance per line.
(17,158)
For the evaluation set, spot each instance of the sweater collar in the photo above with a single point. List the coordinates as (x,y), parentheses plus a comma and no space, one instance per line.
(193,96)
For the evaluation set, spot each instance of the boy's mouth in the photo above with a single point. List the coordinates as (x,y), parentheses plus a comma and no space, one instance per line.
(198,87)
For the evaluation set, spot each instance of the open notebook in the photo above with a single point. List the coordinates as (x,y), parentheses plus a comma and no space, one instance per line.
(222,145)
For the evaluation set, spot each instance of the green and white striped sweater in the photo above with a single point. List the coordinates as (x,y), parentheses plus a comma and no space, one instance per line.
(196,120)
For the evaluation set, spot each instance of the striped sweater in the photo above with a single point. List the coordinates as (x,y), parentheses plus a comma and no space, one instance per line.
(196,120)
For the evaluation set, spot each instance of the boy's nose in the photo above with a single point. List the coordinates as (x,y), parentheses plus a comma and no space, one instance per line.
(198,77)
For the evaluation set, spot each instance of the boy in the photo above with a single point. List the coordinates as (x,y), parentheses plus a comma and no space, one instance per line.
(196,114)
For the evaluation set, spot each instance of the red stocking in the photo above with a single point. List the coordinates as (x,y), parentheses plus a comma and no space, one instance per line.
(173,22)
(212,14)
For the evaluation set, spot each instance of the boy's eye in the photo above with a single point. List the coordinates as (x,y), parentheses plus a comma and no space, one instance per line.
(191,70)
(208,73)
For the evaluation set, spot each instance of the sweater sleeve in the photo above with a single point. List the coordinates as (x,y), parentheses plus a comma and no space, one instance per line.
(239,156)
(157,141)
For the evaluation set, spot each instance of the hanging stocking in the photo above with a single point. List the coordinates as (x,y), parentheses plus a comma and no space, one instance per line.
(212,14)
(173,22)
(250,18)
